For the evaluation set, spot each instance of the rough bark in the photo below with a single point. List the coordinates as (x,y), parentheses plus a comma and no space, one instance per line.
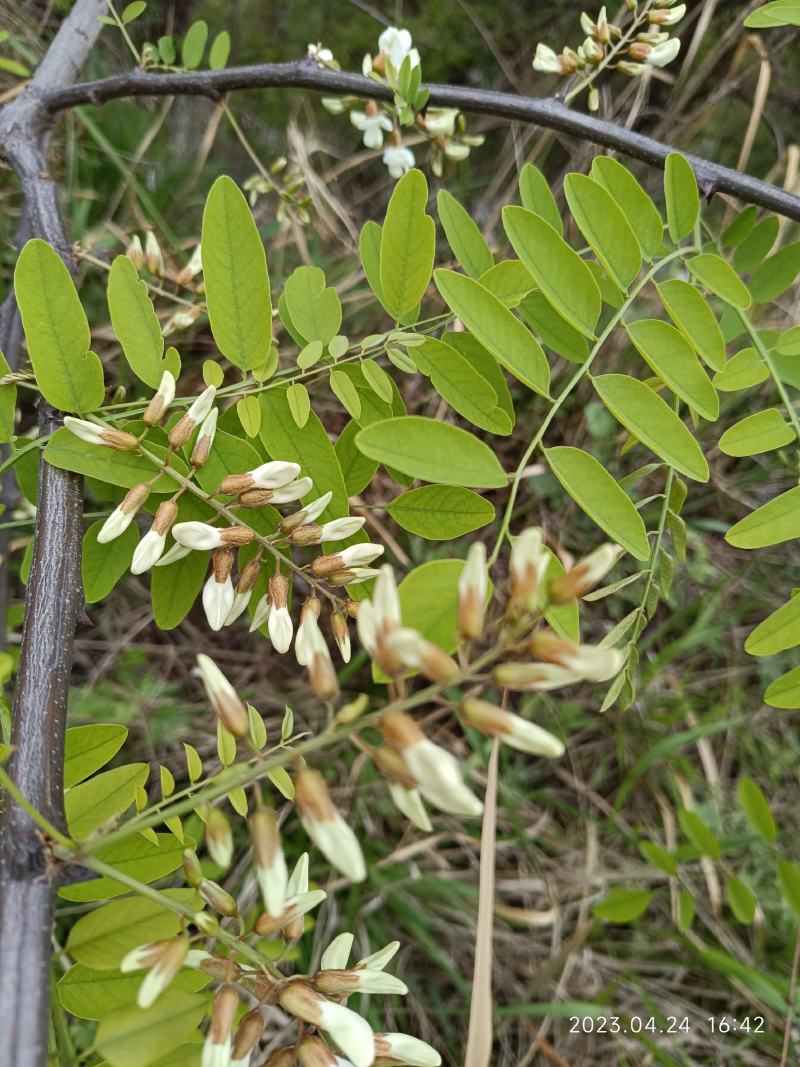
(27,878)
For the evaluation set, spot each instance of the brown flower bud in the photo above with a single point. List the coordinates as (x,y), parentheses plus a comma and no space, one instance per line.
(154,412)
(221,564)
(299,999)
(223,1014)
(165,517)
(248,576)
(324,566)
(248,1033)
(191,868)
(306,535)
(234,484)
(341,577)
(400,731)
(119,440)
(134,498)
(351,607)
(390,763)
(256,498)
(236,536)
(282,1057)
(181,432)
(278,592)
(216,897)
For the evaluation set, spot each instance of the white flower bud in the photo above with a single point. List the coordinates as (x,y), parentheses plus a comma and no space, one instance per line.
(197,535)
(325,826)
(178,551)
(148,552)
(473,588)
(528,566)
(337,953)
(202,404)
(153,256)
(292,491)
(261,613)
(217,601)
(409,803)
(280,628)
(339,529)
(407,1050)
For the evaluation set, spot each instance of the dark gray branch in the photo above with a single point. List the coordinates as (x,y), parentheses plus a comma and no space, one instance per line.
(547,112)
(28,880)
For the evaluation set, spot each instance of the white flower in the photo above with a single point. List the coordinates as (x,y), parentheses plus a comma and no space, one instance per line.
(197,535)
(275,474)
(439,776)
(202,404)
(337,953)
(240,602)
(313,510)
(385,599)
(178,551)
(322,55)
(166,387)
(664,53)
(339,529)
(261,613)
(396,45)
(148,552)
(441,121)
(398,159)
(325,826)
(350,1032)
(359,574)
(86,431)
(280,628)
(372,126)
(360,555)
(271,871)
(546,61)
(376,961)
(292,491)
(117,523)
(534,676)
(298,879)
(409,802)
(162,959)
(511,729)
(152,251)
(528,565)
(217,601)
(473,588)
(406,1049)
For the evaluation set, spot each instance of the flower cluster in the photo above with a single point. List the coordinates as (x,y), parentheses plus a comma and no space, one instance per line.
(607,46)
(397,65)
(318,1001)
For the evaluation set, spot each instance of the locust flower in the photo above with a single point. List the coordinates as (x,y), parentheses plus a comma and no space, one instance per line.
(270,863)
(398,159)
(511,729)
(200,537)
(436,772)
(528,566)
(589,661)
(405,1049)
(123,515)
(372,123)
(416,653)
(218,594)
(223,698)
(198,409)
(248,1034)
(533,677)
(402,786)
(164,396)
(217,1045)
(395,44)
(93,434)
(325,826)
(585,575)
(162,960)
(547,61)
(663,54)
(351,1033)
(272,475)
(279,621)
(473,588)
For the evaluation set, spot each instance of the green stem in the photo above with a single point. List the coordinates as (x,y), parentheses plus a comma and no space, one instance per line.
(655,552)
(579,374)
(123,31)
(763,351)
(44,825)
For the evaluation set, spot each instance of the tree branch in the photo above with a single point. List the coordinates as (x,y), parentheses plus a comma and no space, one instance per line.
(548,112)
(27,878)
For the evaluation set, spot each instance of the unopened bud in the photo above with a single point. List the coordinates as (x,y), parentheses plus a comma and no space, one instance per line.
(341,634)
(153,256)
(191,868)
(256,498)
(224,699)
(248,1034)
(326,827)
(511,729)
(205,439)
(135,252)
(157,407)
(219,839)
(207,924)
(306,535)
(473,587)
(584,575)
(528,566)
(353,710)
(181,432)
(248,576)
(216,897)
(234,484)
(165,517)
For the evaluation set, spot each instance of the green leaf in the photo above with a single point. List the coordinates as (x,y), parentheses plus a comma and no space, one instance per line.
(762,432)
(56,329)
(343,388)
(429,601)
(125,469)
(299,403)
(466,240)
(600,497)
(312,449)
(775,274)
(8,404)
(774,522)
(432,451)
(788,344)
(465,390)
(659,857)
(789,881)
(133,11)
(681,195)
(175,588)
(135,322)
(485,364)
(743,370)
(778,13)
(88,748)
(644,414)
(563,618)
(740,227)
(623,905)
(740,900)
(92,803)
(536,196)
(357,469)
(784,692)
(379,381)
(440,512)
(137,856)
(496,328)
(698,833)
(249,411)
(776,633)
(369,250)
(756,246)
(102,565)
(558,270)
(630,197)
(194,44)
(235,275)
(92,994)
(690,312)
(220,51)
(720,278)
(686,910)
(754,805)
(510,281)
(555,332)
(100,939)
(137,1037)
(408,244)
(315,309)
(605,228)
(671,357)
